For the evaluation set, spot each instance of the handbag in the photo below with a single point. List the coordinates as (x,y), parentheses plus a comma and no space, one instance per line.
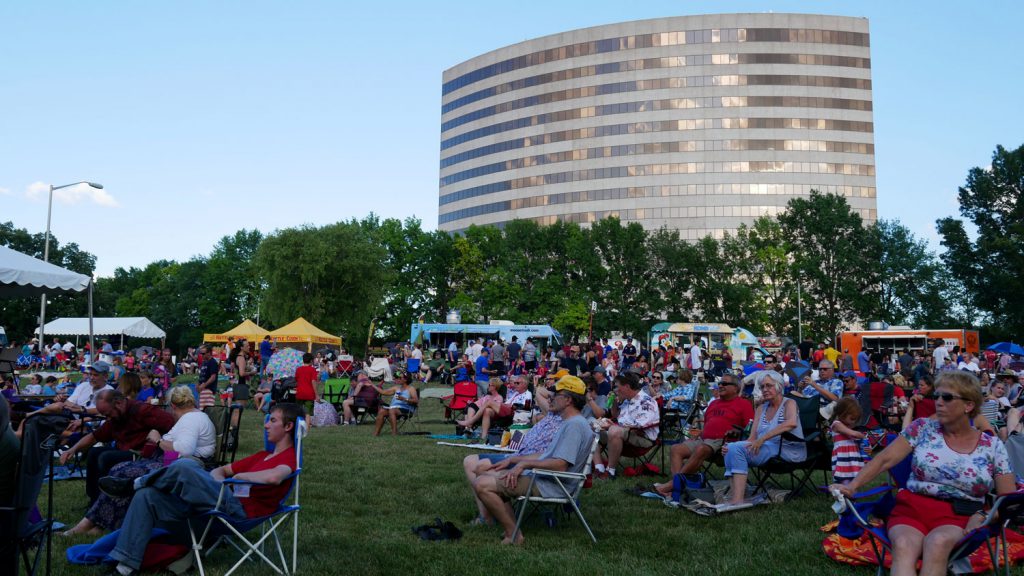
(324,414)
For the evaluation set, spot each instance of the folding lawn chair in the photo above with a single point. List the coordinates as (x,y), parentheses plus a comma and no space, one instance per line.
(409,416)
(226,420)
(335,391)
(819,452)
(455,405)
(220,525)
(643,456)
(19,534)
(366,403)
(854,520)
(571,485)
(344,366)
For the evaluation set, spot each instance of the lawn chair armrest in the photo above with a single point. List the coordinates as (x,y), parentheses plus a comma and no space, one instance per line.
(230,481)
(540,472)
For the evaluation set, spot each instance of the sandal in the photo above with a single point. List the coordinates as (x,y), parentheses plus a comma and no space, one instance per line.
(481,521)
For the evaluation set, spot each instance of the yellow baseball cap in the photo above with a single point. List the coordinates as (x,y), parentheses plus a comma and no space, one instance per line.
(562,372)
(571,384)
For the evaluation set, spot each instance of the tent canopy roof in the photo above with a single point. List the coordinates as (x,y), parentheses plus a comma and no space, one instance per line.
(247,329)
(22,275)
(300,330)
(136,327)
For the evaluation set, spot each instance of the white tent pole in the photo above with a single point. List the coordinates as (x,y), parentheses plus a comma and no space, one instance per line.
(92,342)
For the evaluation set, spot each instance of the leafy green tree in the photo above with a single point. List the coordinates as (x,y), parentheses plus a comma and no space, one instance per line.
(771,274)
(625,295)
(909,289)
(832,260)
(229,289)
(992,199)
(673,262)
(330,275)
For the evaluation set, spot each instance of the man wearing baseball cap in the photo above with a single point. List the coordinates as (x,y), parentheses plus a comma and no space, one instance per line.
(568,452)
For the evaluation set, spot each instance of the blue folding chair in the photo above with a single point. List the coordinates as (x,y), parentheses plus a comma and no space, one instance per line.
(854,515)
(225,528)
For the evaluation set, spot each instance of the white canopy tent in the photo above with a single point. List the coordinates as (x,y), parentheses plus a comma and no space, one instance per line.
(136,327)
(22,276)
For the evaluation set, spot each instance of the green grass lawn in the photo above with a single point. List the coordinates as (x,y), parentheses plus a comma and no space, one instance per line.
(361,495)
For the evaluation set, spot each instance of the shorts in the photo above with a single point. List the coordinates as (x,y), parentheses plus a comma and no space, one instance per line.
(522,485)
(924,512)
(493,457)
(714,444)
(505,410)
(633,438)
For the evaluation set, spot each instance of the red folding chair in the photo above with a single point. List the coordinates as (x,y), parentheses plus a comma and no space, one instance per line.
(455,405)
(344,366)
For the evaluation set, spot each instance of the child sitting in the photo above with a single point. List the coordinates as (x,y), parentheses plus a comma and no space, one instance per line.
(847,458)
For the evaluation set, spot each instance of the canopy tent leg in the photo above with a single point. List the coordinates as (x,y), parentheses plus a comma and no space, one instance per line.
(92,342)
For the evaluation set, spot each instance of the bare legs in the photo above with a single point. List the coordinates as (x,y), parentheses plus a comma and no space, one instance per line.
(389,414)
(490,491)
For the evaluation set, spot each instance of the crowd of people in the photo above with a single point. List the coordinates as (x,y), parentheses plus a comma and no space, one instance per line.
(949,411)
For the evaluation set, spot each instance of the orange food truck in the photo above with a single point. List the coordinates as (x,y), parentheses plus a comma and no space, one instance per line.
(892,341)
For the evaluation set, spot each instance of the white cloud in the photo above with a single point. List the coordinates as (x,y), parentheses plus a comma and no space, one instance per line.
(5,191)
(72,194)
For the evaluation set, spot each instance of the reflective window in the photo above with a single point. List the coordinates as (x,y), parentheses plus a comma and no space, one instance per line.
(655,105)
(660,84)
(662,126)
(654,40)
(660,148)
(659,170)
(735,189)
(665,213)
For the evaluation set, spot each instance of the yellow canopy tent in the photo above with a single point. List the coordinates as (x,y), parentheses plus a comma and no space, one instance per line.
(301,331)
(247,329)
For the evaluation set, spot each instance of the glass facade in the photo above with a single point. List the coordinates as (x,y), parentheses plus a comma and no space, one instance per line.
(662,126)
(673,38)
(750,111)
(655,63)
(657,106)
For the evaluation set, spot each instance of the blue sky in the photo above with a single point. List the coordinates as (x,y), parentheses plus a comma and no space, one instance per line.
(202,118)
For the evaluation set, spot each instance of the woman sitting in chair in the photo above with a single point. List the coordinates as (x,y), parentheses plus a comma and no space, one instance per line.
(493,401)
(404,402)
(953,467)
(775,416)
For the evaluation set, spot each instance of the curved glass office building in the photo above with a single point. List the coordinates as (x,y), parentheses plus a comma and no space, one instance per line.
(698,123)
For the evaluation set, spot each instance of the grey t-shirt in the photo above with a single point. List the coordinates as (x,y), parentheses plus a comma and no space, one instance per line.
(497,353)
(572,443)
(530,352)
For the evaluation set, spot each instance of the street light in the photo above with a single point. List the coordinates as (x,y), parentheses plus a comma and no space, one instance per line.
(46,256)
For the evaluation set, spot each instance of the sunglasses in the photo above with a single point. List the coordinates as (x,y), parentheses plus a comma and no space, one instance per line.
(947,397)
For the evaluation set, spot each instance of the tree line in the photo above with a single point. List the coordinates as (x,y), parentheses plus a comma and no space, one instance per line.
(344,275)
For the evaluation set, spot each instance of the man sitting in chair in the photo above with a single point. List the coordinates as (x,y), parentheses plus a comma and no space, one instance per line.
(168,497)
(636,424)
(568,452)
(725,417)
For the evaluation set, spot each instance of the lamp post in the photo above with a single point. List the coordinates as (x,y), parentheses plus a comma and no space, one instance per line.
(46,256)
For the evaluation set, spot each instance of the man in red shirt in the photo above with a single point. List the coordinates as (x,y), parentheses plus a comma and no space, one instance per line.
(723,416)
(305,383)
(168,497)
(127,424)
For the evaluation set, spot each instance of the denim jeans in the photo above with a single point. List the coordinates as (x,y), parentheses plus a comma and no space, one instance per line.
(738,460)
(169,497)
